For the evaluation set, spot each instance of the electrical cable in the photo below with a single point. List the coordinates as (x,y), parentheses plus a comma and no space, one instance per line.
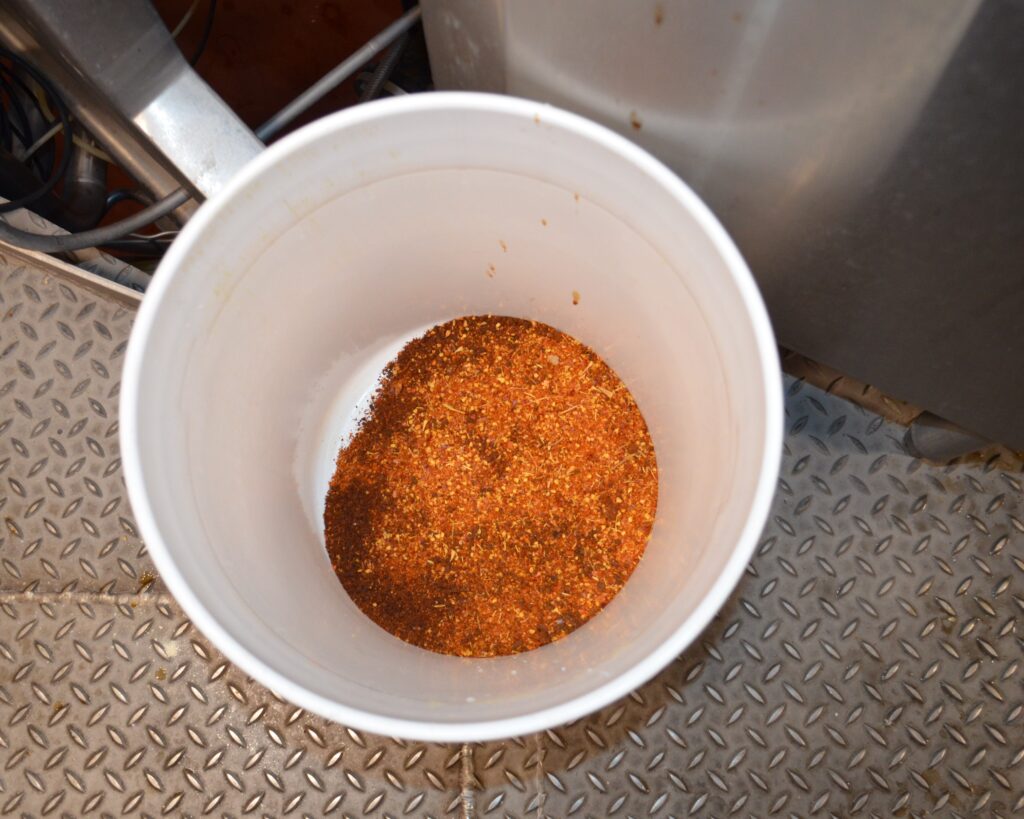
(89,148)
(184,20)
(65,242)
(24,132)
(120,194)
(141,247)
(65,118)
(5,129)
(152,237)
(82,143)
(91,238)
(12,84)
(39,143)
(205,36)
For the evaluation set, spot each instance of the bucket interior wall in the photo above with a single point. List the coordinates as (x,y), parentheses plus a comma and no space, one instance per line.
(312,277)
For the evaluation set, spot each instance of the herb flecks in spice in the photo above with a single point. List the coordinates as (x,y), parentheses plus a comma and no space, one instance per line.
(499,493)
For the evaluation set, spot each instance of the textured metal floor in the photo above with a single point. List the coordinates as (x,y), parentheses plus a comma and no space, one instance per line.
(869,663)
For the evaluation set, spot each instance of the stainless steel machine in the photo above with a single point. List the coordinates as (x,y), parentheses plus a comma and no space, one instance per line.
(866,156)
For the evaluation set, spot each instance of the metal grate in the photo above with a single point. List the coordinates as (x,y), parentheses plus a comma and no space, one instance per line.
(869,663)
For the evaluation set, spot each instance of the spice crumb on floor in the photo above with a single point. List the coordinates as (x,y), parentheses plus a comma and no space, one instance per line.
(497,495)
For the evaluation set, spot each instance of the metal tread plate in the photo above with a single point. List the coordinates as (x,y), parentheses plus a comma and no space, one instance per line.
(868,664)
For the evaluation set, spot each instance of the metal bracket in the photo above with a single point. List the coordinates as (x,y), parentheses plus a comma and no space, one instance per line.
(129,84)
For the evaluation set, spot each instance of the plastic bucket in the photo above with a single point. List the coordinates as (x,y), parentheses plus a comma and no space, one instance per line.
(269,321)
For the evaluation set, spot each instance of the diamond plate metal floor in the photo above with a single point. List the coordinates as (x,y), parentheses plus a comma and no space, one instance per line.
(869,664)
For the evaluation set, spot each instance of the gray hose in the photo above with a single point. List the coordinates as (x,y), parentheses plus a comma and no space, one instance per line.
(99,236)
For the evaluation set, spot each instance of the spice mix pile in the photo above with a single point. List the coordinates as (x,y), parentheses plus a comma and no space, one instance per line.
(499,492)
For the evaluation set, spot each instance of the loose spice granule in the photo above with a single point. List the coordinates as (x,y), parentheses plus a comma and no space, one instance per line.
(499,492)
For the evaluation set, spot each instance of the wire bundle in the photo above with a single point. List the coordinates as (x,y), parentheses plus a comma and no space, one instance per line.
(17,76)
(112,233)
(16,128)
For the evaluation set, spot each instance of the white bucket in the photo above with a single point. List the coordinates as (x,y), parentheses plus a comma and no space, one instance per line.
(274,311)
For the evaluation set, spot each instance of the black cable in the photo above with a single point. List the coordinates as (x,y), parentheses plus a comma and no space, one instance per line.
(120,194)
(29,137)
(65,120)
(6,125)
(150,248)
(11,109)
(5,130)
(65,242)
(62,243)
(16,112)
(204,38)
(25,136)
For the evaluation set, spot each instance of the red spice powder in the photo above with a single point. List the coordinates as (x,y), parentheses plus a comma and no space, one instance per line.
(499,493)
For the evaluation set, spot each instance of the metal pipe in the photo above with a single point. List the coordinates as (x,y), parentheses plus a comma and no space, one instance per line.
(84,197)
(384,70)
(337,75)
(81,203)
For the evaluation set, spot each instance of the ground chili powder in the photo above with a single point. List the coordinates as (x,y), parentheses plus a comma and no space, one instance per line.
(499,492)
